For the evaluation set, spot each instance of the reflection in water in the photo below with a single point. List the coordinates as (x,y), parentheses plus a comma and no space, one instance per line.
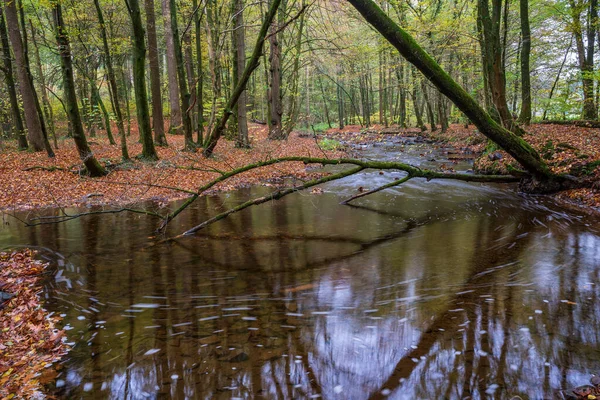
(434,290)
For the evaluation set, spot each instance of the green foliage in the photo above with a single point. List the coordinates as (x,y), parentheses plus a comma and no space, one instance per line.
(329,144)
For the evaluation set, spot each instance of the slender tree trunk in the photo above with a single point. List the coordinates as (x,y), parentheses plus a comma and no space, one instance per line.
(19,128)
(139,84)
(562,65)
(239,44)
(176,124)
(525,116)
(32,119)
(96,99)
(112,82)
(157,111)
(183,89)
(240,87)
(45,100)
(295,100)
(275,129)
(340,99)
(85,153)
(200,73)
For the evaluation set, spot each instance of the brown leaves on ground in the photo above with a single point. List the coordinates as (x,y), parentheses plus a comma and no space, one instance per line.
(26,188)
(30,345)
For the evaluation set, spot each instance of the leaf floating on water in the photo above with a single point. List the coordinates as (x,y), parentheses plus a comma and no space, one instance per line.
(151,352)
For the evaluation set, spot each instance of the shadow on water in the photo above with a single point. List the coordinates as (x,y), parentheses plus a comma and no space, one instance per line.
(432,290)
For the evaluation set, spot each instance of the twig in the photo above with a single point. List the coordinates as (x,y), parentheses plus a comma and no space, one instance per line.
(380,188)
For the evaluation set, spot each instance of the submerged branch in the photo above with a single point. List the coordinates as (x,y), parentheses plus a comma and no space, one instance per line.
(380,188)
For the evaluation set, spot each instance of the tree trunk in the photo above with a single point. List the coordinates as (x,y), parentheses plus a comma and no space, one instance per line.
(275,129)
(525,116)
(45,100)
(112,81)
(493,62)
(32,119)
(239,45)
(183,89)
(97,100)
(199,94)
(414,54)
(175,126)
(85,153)
(240,87)
(139,81)
(19,128)
(157,111)
(586,56)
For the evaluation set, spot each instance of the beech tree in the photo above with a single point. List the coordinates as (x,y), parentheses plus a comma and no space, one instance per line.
(139,76)
(32,118)
(85,153)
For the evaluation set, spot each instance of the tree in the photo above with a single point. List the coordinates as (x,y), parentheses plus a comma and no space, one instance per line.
(112,81)
(174,98)
(494,72)
(64,48)
(239,63)
(525,116)
(157,110)
(585,56)
(275,104)
(19,129)
(32,118)
(139,80)
(183,89)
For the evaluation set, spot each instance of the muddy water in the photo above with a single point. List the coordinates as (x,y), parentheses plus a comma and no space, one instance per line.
(433,290)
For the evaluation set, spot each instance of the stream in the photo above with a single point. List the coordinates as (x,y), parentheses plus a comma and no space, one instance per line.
(431,290)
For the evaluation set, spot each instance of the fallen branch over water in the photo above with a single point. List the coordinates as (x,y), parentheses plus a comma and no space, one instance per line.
(413,172)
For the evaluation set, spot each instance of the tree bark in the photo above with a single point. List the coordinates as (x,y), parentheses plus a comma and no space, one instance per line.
(64,48)
(586,56)
(200,73)
(176,122)
(139,81)
(157,110)
(414,54)
(239,45)
(32,119)
(525,116)
(275,129)
(19,128)
(183,89)
(112,82)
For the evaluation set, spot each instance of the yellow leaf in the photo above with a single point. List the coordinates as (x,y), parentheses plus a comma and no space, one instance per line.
(8,372)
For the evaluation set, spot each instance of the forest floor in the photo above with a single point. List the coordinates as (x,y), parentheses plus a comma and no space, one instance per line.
(30,344)
(566,148)
(32,180)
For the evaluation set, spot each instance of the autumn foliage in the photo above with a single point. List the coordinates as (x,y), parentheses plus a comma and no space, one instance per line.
(30,344)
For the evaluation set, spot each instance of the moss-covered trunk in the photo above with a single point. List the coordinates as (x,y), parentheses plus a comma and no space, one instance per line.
(139,81)
(85,153)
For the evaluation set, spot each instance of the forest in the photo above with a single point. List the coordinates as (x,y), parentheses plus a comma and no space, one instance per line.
(153,150)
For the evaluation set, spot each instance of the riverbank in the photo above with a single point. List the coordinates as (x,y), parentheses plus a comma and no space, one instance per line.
(32,180)
(30,344)
(567,149)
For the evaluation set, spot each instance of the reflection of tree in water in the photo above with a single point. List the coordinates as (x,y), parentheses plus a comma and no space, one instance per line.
(264,340)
